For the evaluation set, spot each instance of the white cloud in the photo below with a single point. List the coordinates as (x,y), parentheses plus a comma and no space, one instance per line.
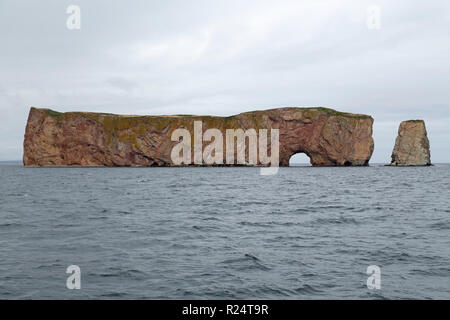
(224,57)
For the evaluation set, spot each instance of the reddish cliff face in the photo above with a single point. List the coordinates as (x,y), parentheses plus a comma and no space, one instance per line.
(328,137)
(412,147)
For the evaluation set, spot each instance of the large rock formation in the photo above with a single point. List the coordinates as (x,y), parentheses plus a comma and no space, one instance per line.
(412,147)
(328,137)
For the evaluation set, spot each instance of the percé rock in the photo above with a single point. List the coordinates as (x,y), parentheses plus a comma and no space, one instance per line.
(328,137)
(412,147)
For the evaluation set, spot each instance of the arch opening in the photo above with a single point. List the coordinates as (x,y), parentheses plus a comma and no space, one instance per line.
(300,160)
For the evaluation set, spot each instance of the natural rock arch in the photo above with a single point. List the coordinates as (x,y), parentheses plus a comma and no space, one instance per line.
(299,158)
(328,137)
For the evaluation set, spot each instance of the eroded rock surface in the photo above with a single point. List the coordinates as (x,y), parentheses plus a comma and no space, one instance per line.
(412,147)
(328,137)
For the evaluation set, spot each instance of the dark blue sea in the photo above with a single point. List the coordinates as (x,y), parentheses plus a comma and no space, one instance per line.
(225,233)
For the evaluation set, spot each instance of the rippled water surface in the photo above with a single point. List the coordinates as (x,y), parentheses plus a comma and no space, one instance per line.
(219,233)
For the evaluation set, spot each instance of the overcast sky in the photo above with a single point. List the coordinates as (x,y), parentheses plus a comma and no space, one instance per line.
(225,57)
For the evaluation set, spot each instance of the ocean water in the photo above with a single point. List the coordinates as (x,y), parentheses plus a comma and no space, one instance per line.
(224,233)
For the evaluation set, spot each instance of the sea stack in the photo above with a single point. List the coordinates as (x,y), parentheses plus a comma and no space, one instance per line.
(328,137)
(412,147)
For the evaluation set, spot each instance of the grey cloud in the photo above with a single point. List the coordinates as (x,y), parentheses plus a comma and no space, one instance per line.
(224,57)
